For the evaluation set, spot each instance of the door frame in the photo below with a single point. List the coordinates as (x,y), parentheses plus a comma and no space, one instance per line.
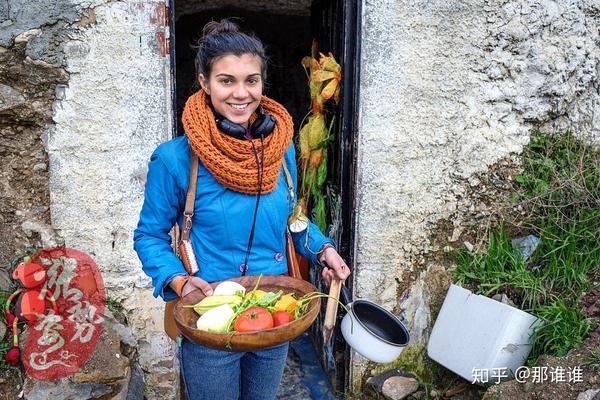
(343,39)
(337,25)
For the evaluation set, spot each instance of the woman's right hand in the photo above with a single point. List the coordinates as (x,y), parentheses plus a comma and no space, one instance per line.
(196,283)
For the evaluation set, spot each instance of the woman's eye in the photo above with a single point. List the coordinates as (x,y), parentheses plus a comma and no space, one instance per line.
(226,81)
(253,81)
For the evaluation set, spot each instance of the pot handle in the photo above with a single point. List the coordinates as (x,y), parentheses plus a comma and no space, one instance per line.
(345,295)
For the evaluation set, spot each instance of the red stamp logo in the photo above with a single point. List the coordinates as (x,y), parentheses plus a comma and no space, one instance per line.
(71,294)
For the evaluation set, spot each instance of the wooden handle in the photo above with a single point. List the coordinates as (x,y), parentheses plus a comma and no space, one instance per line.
(332,304)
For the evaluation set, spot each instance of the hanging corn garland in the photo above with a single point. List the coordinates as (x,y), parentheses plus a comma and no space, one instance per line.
(324,82)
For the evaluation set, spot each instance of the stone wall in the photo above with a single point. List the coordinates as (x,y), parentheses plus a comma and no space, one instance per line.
(27,90)
(110,117)
(448,89)
(85,99)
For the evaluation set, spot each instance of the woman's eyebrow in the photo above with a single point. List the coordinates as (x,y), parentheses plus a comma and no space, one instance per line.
(231,76)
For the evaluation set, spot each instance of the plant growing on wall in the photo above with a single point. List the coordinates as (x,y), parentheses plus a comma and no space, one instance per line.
(324,82)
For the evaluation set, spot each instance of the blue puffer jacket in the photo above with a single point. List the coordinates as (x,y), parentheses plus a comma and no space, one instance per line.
(221,223)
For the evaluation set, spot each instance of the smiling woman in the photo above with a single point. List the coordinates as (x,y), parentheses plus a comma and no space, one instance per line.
(240,140)
(235,87)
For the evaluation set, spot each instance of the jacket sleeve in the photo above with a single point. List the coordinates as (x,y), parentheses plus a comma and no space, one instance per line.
(310,242)
(152,240)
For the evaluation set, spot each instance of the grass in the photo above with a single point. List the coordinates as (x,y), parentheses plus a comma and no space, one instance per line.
(560,193)
(3,298)
(114,305)
(500,269)
(565,328)
(593,360)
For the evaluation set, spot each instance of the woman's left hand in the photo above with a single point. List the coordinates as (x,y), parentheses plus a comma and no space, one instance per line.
(334,264)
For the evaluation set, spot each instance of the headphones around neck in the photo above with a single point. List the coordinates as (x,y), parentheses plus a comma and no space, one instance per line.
(263,126)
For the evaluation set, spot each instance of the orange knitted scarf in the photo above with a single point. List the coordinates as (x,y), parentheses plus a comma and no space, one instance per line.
(231,161)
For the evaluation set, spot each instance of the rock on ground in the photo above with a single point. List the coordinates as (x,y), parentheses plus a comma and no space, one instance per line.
(399,387)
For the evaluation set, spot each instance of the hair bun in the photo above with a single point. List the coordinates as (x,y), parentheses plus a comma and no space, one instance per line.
(218,27)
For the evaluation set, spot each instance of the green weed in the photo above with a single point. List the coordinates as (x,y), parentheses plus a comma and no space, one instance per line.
(3,299)
(560,193)
(500,269)
(114,305)
(4,348)
(564,328)
(593,360)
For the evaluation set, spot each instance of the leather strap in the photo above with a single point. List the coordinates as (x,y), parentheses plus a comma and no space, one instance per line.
(288,180)
(190,198)
(293,267)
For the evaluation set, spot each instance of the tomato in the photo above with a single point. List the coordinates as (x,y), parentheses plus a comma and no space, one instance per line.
(282,318)
(253,319)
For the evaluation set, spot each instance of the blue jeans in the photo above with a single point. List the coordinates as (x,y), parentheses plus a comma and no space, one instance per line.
(213,374)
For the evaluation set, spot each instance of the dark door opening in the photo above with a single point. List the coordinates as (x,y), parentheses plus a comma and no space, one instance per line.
(287,39)
(287,29)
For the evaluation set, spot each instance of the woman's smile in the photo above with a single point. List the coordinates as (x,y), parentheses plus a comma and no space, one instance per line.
(235,86)
(239,107)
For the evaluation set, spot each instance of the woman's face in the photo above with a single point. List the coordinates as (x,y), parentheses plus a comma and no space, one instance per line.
(235,86)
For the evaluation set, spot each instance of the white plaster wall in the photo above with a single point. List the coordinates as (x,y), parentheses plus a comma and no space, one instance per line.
(447,89)
(113,113)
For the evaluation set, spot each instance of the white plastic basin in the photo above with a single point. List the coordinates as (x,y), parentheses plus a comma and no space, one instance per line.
(474,335)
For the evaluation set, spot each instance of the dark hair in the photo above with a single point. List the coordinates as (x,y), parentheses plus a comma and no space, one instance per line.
(223,38)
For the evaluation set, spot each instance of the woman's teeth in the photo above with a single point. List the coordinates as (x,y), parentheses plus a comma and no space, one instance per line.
(239,106)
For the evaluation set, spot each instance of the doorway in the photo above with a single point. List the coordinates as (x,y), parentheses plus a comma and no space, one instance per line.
(287,28)
(286,38)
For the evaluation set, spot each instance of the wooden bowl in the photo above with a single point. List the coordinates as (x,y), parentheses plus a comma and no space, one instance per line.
(186,317)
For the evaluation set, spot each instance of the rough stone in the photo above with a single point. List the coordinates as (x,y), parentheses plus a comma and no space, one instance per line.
(6,282)
(135,389)
(379,379)
(107,365)
(3,10)
(46,47)
(399,387)
(2,328)
(503,298)
(10,98)
(63,389)
(26,15)
(25,36)
(26,95)
(418,395)
(589,394)
(48,237)
(107,371)
(123,331)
